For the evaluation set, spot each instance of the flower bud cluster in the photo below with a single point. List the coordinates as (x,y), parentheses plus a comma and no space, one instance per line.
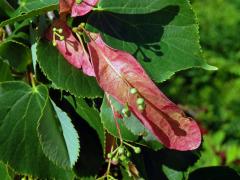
(57,32)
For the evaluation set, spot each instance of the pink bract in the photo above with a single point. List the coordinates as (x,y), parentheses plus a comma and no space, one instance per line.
(117,72)
(70,6)
(71,48)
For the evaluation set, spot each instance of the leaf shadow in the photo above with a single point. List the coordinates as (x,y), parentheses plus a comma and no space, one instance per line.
(144,30)
(150,162)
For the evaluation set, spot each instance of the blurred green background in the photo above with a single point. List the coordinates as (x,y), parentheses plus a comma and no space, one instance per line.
(213,98)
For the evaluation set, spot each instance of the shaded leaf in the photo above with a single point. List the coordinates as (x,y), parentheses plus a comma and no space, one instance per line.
(108,121)
(4,172)
(5,71)
(91,115)
(31,8)
(6,8)
(214,173)
(162,35)
(117,72)
(58,137)
(17,54)
(63,75)
(172,174)
(20,109)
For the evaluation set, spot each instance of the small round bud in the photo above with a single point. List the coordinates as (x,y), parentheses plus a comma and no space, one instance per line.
(128,154)
(75,29)
(122,158)
(78,1)
(80,26)
(61,38)
(126,112)
(115,174)
(141,107)
(54,29)
(140,101)
(137,150)
(115,160)
(121,150)
(133,90)
(109,155)
(60,30)
(54,43)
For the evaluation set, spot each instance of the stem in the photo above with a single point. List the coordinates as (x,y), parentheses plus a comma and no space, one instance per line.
(32,80)
(119,131)
(81,42)
(117,124)
(108,168)
(129,145)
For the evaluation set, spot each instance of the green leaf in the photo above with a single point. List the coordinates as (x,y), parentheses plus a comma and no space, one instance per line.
(6,8)
(91,115)
(108,121)
(131,128)
(5,71)
(4,172)
(172,174)
(32,8)
(63,75)
(17,54)
(20,109)
(162,35)
(58,137)
(91,158)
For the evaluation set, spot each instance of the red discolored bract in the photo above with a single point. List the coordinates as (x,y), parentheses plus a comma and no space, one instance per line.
(71,48)
(117,72)
(76,9)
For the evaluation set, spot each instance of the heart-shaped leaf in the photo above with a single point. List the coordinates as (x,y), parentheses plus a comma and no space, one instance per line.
(20,109)
(161,34)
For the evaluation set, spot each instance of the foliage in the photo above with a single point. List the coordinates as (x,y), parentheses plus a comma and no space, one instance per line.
(213,98)
(79,96)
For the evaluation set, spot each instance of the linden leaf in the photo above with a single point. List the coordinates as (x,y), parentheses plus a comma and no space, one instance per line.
(117,72)
(77,7)
(69,47)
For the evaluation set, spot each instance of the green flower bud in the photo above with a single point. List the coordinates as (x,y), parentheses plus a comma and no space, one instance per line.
(141,107)
(121,150)
(137,150)
(109,155)
(75,29)
(54,43)
(126,112)
(54,29)
(133,90)
(128,154)
(61,38)
(122,158)
(60,30)
(115,160)
(140,101)
(78,1)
